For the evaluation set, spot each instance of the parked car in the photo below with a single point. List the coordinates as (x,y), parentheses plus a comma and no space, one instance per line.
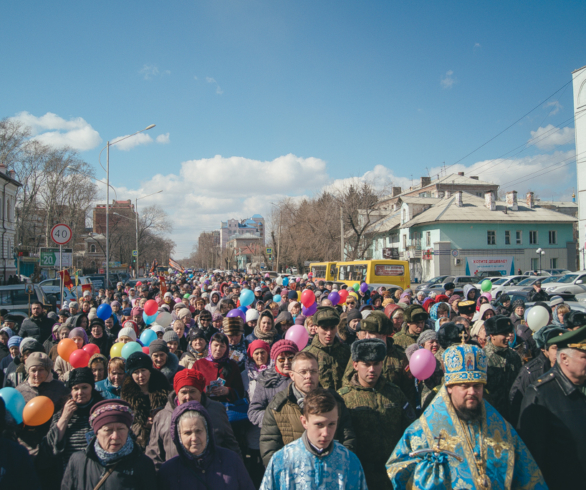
(549,279)
(498,284)
(16,300)
(492,279)
(489,274)
(459,282)
(430,283)
(53,286)
(573,283)
(132,282)
(570,300)
(525,285)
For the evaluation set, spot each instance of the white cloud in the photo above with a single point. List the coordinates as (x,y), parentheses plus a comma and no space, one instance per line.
(219,91)
(556,107)
(129,143)
(477,45)
(55,131)
(149,72)
(549,137)
(448,80)
(163,139)
(195,77)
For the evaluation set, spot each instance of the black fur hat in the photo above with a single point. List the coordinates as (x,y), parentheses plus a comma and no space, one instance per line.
(450,333)
(369,350)
(499,324)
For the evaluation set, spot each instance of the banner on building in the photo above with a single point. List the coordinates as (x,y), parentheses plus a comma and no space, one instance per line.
(505,264)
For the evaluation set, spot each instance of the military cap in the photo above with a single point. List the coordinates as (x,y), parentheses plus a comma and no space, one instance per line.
(415,313)
(499,324)
(574,319)
(449,285)
(326,316)
(575,339)
(377,322)
(369,350)
(467,307)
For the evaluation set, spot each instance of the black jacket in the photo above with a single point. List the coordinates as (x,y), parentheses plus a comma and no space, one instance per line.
(528,375)
(553,425)
(84,471)
(40,328)
(537,296)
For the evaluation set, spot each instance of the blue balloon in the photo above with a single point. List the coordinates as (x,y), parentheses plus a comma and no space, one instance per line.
(14,402)
(243,309)
(130,348)
(149,319)
(285,281)
(104,311)
(246,297)
(277,298)
(148,336)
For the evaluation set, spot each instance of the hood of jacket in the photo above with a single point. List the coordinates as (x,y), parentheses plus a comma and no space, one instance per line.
(206,457)
(467,289)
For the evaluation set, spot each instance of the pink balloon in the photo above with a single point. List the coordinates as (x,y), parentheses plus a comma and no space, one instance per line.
(422,364)
(299,335)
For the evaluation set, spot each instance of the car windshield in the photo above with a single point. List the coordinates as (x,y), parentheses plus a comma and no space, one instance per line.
(498,282)
(527,282)
(437,279)
(567,278)
(467,279)
(551,279)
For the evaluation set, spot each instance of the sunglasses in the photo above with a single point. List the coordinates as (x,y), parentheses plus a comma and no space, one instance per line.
(283,359)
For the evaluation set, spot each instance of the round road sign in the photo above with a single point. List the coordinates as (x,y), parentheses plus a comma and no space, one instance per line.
(61,234)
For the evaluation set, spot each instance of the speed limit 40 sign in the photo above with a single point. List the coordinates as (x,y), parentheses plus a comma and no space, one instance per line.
(61,234)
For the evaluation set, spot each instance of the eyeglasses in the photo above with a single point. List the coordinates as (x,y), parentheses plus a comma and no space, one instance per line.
(306,372)
(350,303)
(283,359)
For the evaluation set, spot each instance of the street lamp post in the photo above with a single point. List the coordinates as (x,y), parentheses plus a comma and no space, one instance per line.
(108,145)
(540,252)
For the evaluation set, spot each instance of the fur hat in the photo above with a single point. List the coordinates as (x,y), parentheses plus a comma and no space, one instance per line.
(369,350)
(233,326)
(574,319)
(426,336)
(499,324)
(80,375)
(450,333)
(376,322)
(415,313)
(138,360)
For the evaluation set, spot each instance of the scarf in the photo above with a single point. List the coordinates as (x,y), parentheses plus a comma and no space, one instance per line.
(267,337)
(107,458)
(222,359)
(298,395)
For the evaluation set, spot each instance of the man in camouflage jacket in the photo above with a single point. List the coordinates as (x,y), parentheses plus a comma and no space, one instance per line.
(380,411)
(415,320)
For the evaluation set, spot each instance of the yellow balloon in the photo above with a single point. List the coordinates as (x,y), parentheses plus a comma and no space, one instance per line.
(116,350)
(353,293)
(298,295)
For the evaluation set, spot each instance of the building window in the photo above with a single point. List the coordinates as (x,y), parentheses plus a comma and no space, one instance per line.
(491,237)
(479,194)
(533,237)
(92,249)
(507,237)
(519,237)
(553,263)
(553,237)
(534,264)
(428,238)
(404,242)
(404,215)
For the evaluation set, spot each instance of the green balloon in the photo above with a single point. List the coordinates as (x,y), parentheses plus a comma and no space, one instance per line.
(486,286)
(356,286)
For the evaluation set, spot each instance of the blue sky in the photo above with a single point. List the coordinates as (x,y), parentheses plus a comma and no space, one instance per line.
(255,100)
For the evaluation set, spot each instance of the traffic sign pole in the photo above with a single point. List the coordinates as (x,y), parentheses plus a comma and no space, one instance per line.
(61,267)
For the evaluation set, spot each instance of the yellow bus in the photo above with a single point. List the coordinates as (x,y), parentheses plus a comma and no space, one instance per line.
(375,273)
(323,271)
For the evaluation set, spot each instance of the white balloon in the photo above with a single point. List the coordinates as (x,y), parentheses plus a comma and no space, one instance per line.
(164,319)
(279,281)
(537,318)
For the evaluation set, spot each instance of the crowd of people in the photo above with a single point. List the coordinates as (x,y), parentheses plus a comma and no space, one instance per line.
(229,401)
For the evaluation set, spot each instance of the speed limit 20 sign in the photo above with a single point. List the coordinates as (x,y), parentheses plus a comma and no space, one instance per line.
(61,234)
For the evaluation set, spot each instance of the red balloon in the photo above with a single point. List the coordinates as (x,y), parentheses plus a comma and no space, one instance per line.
(79,358)
(145,349)
(151,307)
(91,349)
(343,295)
(307,298)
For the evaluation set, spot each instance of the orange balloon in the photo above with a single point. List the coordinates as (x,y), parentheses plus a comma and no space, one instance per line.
(38,411)
(65,348)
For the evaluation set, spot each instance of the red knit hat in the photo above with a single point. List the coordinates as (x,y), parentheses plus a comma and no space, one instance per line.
(258,344)
(283,346)
(189,377)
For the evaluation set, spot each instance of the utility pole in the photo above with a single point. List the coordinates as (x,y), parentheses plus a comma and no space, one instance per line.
(279,242)
(342,233)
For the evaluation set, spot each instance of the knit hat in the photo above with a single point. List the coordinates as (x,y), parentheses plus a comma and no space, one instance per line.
(252,315)
(158,345)
(73,304)
(115,303)
(29,344)
(136,311)
(454,298)
(127,332)
(517,303)
(218,316)
(170,336)
(369,350)
(110,412)
(138,360)
(80,375)
(183,312)
(499,324)
(189,377)
(283,345)
(353,314)
(98,321)
(426,336)
(79,332)
(15,340)
(93,313)
(233,326)
(300,320)
(8,331)
(38,359)
(195,333)
(257,344)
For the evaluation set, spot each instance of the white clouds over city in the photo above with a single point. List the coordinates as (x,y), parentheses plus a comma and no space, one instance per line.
(549,137)
(448,80)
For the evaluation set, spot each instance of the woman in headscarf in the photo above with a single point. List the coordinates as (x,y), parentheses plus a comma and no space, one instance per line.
(223,380)
(112,458)
(265,329)
(201,464)
(197,348)
(62,367)
(486,312)
(110,387)
(98,363)
(98,336)
(146,390)
(397,315)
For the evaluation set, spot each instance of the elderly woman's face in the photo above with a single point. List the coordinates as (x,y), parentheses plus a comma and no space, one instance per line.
(98,370)
(431,345)
(179,329)
(37,375)
(116,376)
(260,357)
(218,349)
(199,344)
(193,435)
(81,393)
(63,334)
(112,437)
(78,341)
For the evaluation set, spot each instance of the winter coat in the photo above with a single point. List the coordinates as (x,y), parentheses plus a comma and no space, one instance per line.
(213,371)
(404,338)
(529,373)
(145,406)
(332,361)
(268,384)
(38,327)
(171,367)
(552,424)
(16,467)
(161,447)
(380,415)
(281,424)
(216,468)
(504,365)
(104,343)
(537,296)
(15,373)
(132,472)
(188,358)
(62,368)
(107,389)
